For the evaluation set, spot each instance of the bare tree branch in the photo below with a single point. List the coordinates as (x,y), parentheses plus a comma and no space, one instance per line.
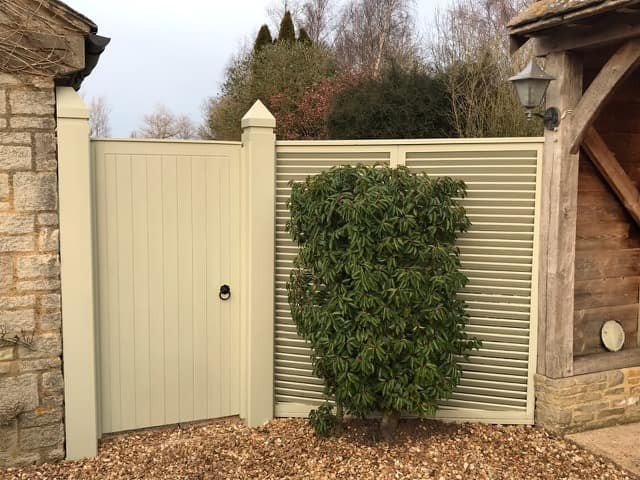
(164,124)
(278,8)
(470,50)
(99,111)
(317,19)
(384,34)
(370,32)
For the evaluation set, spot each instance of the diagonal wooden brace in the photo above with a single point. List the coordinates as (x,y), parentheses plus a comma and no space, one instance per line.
(623,62)
(605,161)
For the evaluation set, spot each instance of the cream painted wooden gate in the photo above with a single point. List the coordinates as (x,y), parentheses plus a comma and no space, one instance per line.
(167,237)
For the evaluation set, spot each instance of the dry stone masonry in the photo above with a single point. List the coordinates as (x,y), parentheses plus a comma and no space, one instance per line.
(40,52)
(588,401)
(31,383)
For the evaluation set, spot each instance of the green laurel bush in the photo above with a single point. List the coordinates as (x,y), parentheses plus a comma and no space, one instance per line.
(323,420)
(374,286)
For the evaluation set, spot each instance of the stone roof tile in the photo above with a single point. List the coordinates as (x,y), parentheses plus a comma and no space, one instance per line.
(74,13)
(548,9)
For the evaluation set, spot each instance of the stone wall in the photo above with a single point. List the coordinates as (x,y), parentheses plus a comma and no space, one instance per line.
(588,401)
(31,385)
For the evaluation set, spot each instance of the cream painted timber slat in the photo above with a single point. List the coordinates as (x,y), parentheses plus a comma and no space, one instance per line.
(232,271)
(101,203)
(498,146)
(200,346)
(167,237)
(124,204)
(157,379)
(170,295)
(111,325)
(185,288)
(214,355)
(497,255)
(141,316)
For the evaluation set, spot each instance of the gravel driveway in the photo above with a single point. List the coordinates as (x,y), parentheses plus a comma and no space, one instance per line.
(288,449)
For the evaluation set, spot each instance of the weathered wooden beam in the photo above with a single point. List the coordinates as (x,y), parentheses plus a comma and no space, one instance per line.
(605,33)
(535,26)
(601,362)
(623,62)
(558,217)
(607,164)
(516,43)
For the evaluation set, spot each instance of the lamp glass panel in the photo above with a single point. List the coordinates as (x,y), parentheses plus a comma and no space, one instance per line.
(531,91)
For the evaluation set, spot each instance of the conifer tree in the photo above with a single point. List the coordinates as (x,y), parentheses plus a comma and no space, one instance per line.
(303,37)
(287,31)
(263,39)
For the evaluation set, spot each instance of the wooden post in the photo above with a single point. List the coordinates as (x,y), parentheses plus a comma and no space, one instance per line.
(77,275)
(258,264)
(558,204)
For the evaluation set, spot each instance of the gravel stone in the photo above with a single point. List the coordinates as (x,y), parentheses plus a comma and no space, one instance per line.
(288,449)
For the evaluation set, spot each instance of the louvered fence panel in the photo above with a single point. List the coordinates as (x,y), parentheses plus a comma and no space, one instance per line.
(497,255)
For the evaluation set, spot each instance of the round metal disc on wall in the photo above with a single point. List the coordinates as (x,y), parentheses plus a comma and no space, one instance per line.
(612,335)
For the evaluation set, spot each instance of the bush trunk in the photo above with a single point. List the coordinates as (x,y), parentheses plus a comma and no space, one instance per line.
(389,425)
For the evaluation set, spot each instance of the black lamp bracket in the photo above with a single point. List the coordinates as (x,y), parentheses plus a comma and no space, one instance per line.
(551,118)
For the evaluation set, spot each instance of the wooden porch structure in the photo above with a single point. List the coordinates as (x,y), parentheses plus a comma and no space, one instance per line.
(590,204)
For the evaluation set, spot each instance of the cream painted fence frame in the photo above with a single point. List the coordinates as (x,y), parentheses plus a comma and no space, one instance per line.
(77,272)
(497,254)
(274,370)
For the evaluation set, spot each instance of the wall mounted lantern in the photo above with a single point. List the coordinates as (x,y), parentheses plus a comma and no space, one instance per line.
(532,84)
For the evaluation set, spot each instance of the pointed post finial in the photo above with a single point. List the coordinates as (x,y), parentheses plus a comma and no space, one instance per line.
(258,116)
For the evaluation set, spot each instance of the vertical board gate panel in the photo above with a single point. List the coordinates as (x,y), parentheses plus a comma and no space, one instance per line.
(497,255)
(167,237)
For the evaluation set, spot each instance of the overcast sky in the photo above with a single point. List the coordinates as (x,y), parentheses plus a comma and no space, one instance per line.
(173,52)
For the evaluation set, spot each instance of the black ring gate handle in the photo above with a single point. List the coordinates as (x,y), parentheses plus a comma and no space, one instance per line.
(225,292)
